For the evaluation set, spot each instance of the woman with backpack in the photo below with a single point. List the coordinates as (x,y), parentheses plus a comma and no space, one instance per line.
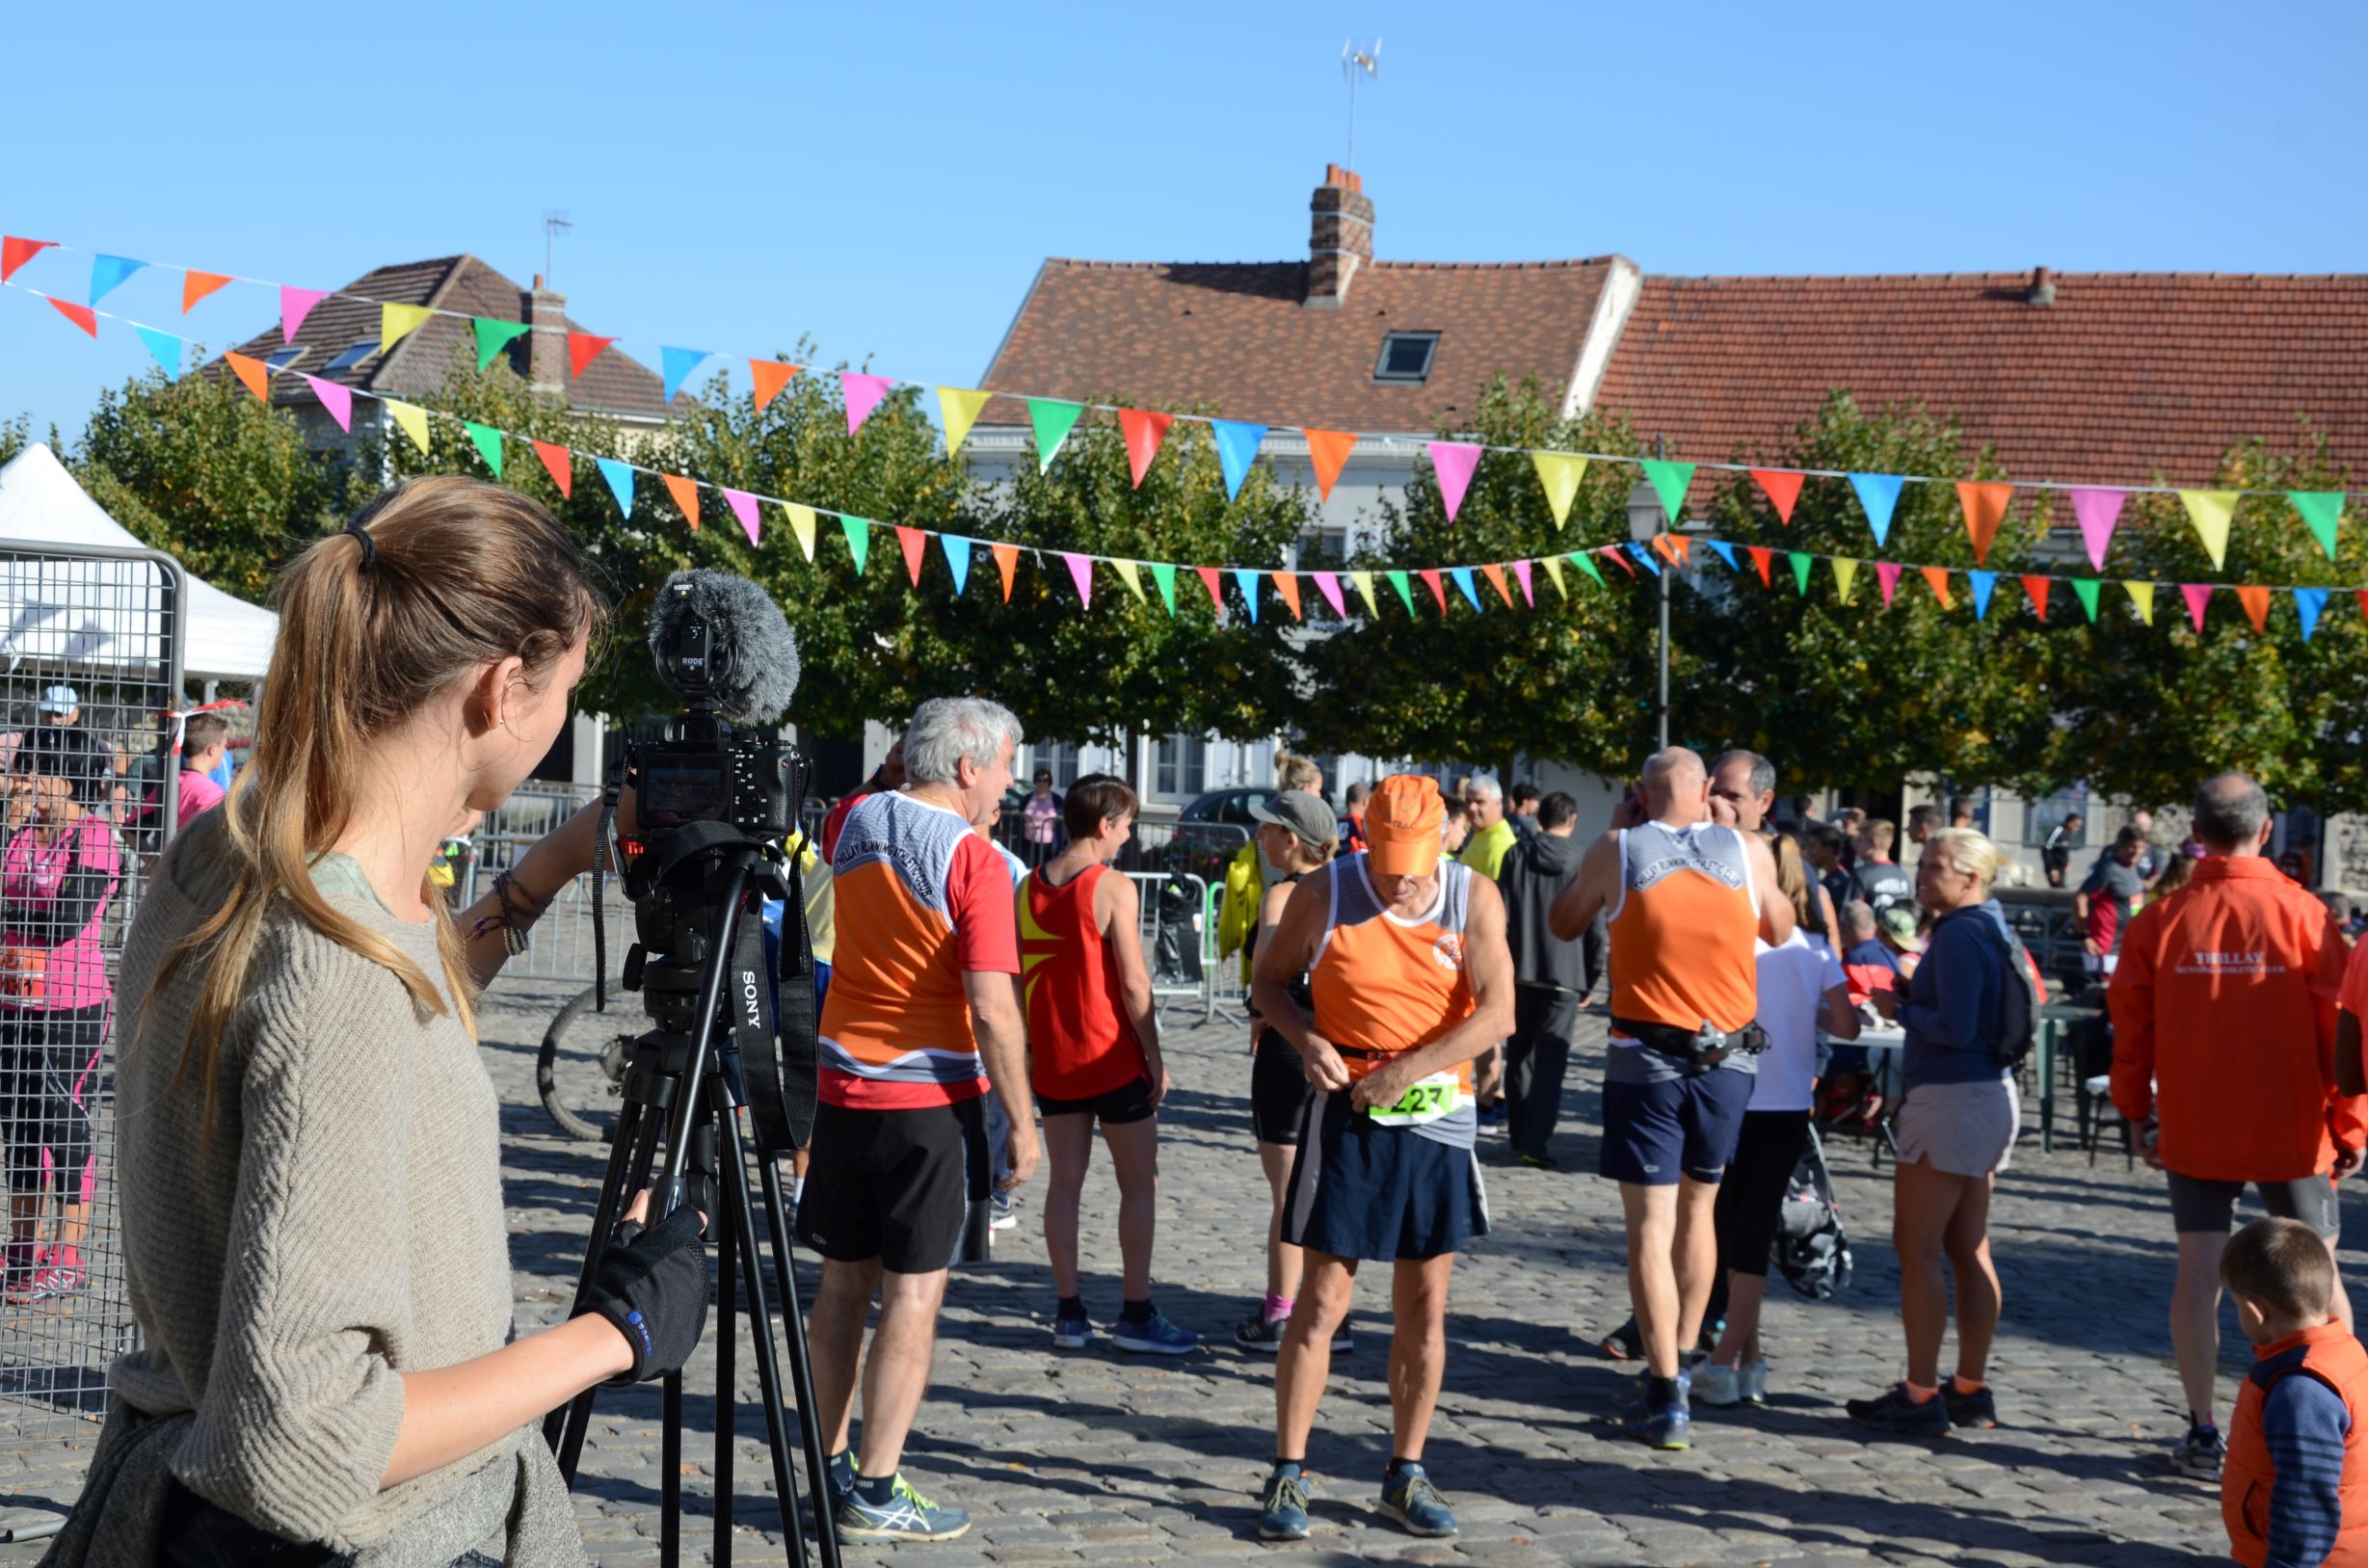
(1966,1014)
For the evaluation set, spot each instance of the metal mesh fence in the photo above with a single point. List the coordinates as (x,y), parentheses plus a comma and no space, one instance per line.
(88,791)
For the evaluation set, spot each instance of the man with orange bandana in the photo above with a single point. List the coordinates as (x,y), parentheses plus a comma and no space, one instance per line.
(1411,978)
(1682,895)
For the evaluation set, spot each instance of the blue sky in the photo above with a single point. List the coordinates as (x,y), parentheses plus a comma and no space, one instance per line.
(886,179)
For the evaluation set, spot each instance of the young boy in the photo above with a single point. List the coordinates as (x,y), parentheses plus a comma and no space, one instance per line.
(2293,1454)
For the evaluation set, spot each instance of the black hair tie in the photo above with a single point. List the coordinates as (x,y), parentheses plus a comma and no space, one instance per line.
(369,549)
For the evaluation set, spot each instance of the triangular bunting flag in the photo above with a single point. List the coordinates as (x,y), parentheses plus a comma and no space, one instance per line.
(1495,575)
(196,285)
(2086,590)
(1782,487)
(768,377)
(1365,590)
(1236,449)
(489,443)
(744,507)
(1880,494)
(1845,575)
(2256,602)
(1144,431)
(862,394)
(2036,587)
(1938,577)
(959,407)
(957,550)
(1887,578)
(1327,450)
(684,493)
(1584,561)
(1006,563)
(1217,592)
(1761,557)
(1662,548)
(413,421)
(296,303)
(1560,473)
(1053,420)
(1247,581)
(2097,512)
(2199,597)
(620,477)
(585,347)
(1669,481)
(338,400)
(1984,583)
(676,367)
(254,372)
(1529,593)
(1800,571)
(15,252)
(1643,558)
(915,544)
(1130,573)
(1463,580)
(1405,588)
(560,464)
(107,274)
(1985,506)
(2322,512)
(1453,462)
(1287,584)
(801,524)
(165,347)
(1554,573)
(1727,553)
(2308,603)
(84,317)
(1329,586)
(397,322)
(2211,511)
(859,539)
(2141,594)
(493,336)
(1438,590)
(1163,578)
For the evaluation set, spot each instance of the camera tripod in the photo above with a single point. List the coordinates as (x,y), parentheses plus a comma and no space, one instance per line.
(684,1093)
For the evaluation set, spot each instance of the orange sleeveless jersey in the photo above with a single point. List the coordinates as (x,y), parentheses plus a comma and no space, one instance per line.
(1079,1040)
(1682,939)
(1384,985)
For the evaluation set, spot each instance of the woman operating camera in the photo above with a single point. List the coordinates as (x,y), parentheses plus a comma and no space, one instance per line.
(309,1145)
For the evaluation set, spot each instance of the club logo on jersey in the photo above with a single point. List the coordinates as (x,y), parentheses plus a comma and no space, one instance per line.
(1449,950)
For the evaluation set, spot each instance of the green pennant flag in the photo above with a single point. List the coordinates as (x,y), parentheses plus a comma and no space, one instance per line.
(1801,569)
(493,336)
(2086,588)
(859,539)
(2323,510)
(1669,482)
(1405,593)
(488,445)
(1053,420)
(1164,573)
(1584,561)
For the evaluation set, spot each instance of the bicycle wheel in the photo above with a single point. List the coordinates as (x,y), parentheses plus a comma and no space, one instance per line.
(580,1069)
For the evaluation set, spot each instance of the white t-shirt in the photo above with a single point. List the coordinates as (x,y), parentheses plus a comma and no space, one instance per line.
(1794,980)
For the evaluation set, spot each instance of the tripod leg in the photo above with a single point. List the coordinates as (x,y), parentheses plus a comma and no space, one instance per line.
(801,1369)
(648,1129)
(670,1473)
(603,1221)
(727,1373)
(733,1171)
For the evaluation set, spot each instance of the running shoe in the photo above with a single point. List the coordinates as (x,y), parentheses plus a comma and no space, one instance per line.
(1894,1411)
(51,1280)
(1717,1385)
(1754,1382)
(1409,1498)
(1155,1336)
(1003,1219)
(838,1478)
(1541,1162)
(1072,1332)
(906,1516)
(1625,1343)
(1283,1516)
(1666,1426)
(1979,1412)
(1264,1335)
(2200,1453)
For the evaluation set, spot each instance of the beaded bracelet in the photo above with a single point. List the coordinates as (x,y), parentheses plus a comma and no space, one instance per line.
(512,923)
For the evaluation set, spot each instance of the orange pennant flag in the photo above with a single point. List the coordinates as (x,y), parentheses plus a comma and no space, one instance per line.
(2036,588)
(1006,561)
(1287,584)
(1328,450)
(686,493)
(770,376)
(1495,573)
(1684,550)
(196,285)
(1666,551)
(914,543)
(1985,508)
(1782,487)
(1938,577)
(254,372)
(560,464)
(2256,602)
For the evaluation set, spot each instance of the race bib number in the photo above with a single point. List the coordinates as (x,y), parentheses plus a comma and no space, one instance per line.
(1429,1100)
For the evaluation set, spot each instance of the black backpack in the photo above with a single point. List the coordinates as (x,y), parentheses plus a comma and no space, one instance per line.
(2018,1007)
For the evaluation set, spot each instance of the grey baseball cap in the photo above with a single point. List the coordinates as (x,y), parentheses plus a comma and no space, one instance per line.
(1304,815)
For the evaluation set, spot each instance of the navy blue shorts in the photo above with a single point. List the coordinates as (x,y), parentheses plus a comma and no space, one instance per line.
(1360,1190)
(1653,1131)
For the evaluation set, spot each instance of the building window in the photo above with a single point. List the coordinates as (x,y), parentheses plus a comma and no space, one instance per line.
(1405,356)
(1181,767)
(352,356)
(1061,759)
(2042,816)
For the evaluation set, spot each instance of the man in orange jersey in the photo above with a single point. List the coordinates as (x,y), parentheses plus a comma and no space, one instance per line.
(1410,978)
(922,997)
(1684,896)
(2223,1009)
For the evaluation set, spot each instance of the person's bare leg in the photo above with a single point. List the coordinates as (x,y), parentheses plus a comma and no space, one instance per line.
(834,1339)
(1305,1362)
(1134,1151)
(896,1371)
(1967,1242)
(1922,1200)
(1417,1348)
(2195,1318)
(1694,1255)
(1740,1341)
(1068,1150)
(1651,1215)
(1283,1261)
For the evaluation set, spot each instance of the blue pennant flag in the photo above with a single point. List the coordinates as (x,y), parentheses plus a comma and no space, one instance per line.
(1463,580)
(677,366)
(958,557)
(1982,583)
(107,274)
(1242,575)
(1237,450)
(620,477)
(1878,494)
(165,345)
(1727,553)
(2307,603)
(1644,558)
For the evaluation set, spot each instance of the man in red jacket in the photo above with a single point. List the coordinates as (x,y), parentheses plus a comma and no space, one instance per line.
(2223,1012)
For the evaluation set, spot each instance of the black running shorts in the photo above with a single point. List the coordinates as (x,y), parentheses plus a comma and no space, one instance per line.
(1130,1102)
(894,1185)
(1279,1090)
(2199,1204)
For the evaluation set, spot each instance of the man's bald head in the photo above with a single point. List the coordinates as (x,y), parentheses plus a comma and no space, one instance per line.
(1676,782)
(2232,815)
(1858,916)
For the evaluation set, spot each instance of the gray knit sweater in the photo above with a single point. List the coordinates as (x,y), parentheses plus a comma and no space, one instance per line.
(342,1223)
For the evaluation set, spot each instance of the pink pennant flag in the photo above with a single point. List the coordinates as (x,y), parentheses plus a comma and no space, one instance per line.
(2198,595)
(2097,509)
(338,400)
(295,304)
(1887,574)
(1329,585)
(1454,462)
(1521,574)
(862,394)
(1081,572)
(744,507)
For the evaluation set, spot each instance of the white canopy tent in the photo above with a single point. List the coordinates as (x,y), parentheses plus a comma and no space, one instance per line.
(80,613)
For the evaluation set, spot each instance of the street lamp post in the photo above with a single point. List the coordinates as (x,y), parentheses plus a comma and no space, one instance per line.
(1645,520)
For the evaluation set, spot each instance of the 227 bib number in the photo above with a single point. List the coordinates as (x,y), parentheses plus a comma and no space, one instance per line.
(1428,1100)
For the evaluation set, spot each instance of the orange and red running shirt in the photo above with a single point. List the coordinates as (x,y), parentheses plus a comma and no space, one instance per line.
(921,900)
(1080,1042)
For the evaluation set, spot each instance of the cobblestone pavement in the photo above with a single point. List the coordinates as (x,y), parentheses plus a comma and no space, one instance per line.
(1074,1456)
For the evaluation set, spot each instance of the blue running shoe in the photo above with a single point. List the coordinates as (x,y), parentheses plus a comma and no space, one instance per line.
(1409,1498)
(1668,1425)
(1155,1337)
(1284,1514)
(906,1516)
(1072,1332)
(839,1476)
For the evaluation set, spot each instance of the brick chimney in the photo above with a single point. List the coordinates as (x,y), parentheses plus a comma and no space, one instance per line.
(546,341)
(1340,238)
(2043,289)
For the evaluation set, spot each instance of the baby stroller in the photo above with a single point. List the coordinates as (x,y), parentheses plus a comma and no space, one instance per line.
(1813,1251)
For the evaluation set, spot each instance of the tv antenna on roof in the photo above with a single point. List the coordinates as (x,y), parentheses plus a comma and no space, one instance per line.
(554,224)
(1355,62)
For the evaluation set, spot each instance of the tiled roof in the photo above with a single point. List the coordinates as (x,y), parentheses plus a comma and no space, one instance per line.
(614,383)
(1235,335)
(2127,376)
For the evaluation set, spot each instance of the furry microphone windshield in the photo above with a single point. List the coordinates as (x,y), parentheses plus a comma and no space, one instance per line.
(752,654)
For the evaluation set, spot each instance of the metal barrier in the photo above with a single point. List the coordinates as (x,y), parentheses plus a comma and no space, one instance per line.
(96,796)
(1174,924)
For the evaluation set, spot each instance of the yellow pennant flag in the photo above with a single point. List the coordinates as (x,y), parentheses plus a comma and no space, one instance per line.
(1560,472)
(395,322)
(1845,573)
(1365,588)
(2141,594)
(1130,573)
(1553,569)
(801,524)
(959,405)
(2209,511)
(413,420)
